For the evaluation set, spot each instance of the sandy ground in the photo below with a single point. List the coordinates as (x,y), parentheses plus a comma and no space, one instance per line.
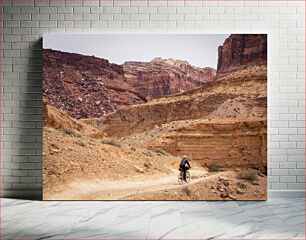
(69,158)
(123,188)
(162,187)
(212,187)
(80,167)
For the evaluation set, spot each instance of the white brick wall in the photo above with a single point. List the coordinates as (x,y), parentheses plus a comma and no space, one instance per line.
(25,21)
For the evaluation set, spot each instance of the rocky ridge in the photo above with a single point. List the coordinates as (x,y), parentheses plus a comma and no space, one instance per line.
(87,86)
(223,122)
(227,143)
(161,77)
(239,95)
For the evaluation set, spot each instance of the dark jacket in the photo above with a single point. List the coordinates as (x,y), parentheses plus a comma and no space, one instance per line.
(184,162)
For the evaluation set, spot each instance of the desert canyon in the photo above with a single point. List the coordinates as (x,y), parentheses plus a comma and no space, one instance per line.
(117,132)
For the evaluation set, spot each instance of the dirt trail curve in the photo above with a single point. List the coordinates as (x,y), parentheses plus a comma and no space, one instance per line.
(121,189)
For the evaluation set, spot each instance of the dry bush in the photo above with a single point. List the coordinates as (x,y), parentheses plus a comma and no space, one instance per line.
(111,141)
(72,132)
(186,191)
(213,167)
(248,174)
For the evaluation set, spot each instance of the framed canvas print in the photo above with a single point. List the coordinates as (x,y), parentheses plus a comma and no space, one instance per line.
(155,117)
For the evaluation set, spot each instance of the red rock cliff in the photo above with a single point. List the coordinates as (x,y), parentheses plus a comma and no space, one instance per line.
(87,86)
(240,51)
(165,76)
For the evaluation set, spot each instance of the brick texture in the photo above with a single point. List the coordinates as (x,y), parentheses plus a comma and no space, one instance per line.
(25,22)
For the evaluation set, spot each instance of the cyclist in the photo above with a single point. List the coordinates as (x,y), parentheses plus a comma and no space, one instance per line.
(184,166)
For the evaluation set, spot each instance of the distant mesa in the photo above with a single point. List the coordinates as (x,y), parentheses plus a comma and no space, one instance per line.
(161,77)
(75,83)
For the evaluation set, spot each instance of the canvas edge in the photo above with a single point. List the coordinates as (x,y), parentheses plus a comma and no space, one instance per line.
(37,194)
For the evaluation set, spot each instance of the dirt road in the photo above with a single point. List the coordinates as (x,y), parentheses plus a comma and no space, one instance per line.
(120,189)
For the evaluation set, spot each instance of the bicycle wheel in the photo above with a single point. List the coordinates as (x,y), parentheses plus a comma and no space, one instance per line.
(187,176)
(180,178)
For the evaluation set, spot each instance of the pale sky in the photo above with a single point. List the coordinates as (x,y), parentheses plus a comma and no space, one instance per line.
(200,50)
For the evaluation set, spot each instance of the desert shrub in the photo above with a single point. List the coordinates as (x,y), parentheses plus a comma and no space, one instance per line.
(111,141)
(213,167)
(186,191)
(248,174)
(260,168)
(72,132)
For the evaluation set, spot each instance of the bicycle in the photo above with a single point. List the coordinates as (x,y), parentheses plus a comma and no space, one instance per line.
(180,177)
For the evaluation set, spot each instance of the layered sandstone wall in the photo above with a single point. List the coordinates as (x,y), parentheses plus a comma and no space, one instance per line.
(227,143)
(241,50)
(240,95)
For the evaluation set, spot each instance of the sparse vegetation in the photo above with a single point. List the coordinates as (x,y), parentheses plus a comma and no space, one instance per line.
(248,174)
(111,141)
(186,191)
(72,132)
(214,167)
(241,185)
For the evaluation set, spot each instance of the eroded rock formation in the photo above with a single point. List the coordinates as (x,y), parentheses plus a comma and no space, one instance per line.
(165,76)
(240,51)
(226,143)
(239,95)
(87,86)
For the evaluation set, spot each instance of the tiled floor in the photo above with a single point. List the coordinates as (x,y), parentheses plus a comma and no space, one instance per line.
(273,219)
